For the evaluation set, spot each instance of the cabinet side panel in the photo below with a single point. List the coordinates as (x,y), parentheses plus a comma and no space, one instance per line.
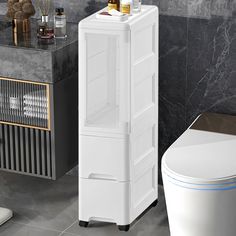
(144,112)
(65,127)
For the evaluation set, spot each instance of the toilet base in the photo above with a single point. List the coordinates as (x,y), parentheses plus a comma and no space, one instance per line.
(197,212)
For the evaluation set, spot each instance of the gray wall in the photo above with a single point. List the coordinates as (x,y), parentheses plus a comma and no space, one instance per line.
(187,8)
(197,66)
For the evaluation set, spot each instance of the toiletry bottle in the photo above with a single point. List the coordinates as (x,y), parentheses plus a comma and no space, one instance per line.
(60,23)
(136,6)
(113,4)
(126,7)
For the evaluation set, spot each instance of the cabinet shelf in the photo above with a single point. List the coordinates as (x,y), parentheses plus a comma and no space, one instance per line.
(106,118)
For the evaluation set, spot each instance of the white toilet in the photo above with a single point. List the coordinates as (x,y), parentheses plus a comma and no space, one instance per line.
(199,177)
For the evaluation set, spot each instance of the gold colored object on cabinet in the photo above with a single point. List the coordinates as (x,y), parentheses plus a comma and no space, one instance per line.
(26,26)
(21,26)
(21,39)
(21,31)
(15,101)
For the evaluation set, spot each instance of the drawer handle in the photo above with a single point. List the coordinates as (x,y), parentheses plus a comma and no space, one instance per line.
(102,177)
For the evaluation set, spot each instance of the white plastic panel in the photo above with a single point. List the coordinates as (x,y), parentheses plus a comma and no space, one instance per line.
(143,186)
(144,192)
(143,143)
(104,200)
(144,113)
(144,94)
(145,162)
(104,158)
(96,97)
(92,42)
(102,86)
(143,44)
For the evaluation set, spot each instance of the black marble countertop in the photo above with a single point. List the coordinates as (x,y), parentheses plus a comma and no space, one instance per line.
(30,40)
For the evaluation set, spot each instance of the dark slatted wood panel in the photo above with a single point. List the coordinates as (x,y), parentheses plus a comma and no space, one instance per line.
(25,150)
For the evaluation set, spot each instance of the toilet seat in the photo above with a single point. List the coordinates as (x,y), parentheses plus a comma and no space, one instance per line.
(202,160)
(199,178)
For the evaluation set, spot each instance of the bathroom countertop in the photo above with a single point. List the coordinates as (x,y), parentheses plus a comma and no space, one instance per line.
(30,40)
(27,58)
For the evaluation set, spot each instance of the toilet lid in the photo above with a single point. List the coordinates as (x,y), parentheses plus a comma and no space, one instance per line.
(212,161)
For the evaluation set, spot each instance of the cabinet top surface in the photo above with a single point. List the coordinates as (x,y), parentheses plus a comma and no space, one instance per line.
(30,40)
(93,22)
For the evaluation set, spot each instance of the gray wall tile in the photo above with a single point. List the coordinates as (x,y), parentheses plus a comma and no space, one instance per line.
(222,7)
(173,46)
(199,8)
(3,7)
(211,72)
(76,10)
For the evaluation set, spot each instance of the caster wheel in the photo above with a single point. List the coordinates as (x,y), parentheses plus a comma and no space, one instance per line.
(123,227)
(83,223)
(154,203)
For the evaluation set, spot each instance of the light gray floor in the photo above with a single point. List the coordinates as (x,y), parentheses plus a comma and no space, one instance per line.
(50,208)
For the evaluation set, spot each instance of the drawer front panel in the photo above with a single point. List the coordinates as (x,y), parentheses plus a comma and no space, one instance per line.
(104,158)
(24,103)
(104,200)
(24,150)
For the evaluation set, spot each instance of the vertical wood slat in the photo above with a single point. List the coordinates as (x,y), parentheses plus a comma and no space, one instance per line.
(48,145)
(22,149)
(1,147)
(43,152)
(12,154)
(25,150)
(6,139)
(37,146)
(32,147)
(17,154)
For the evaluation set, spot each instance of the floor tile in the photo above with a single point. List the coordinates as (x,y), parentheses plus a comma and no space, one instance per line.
(48,208)
(68,234)
(40,203)
(152,223)
(14,229)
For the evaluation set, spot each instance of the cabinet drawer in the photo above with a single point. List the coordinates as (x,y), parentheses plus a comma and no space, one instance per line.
(24,103)
(104,200)
(104,158)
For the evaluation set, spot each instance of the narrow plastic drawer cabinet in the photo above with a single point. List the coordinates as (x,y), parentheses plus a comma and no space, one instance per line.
(118,117)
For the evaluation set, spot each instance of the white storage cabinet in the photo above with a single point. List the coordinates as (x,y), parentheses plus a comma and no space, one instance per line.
(118,110)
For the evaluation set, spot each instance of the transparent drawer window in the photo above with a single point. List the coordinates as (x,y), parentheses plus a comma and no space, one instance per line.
(102,82)
(24,103)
